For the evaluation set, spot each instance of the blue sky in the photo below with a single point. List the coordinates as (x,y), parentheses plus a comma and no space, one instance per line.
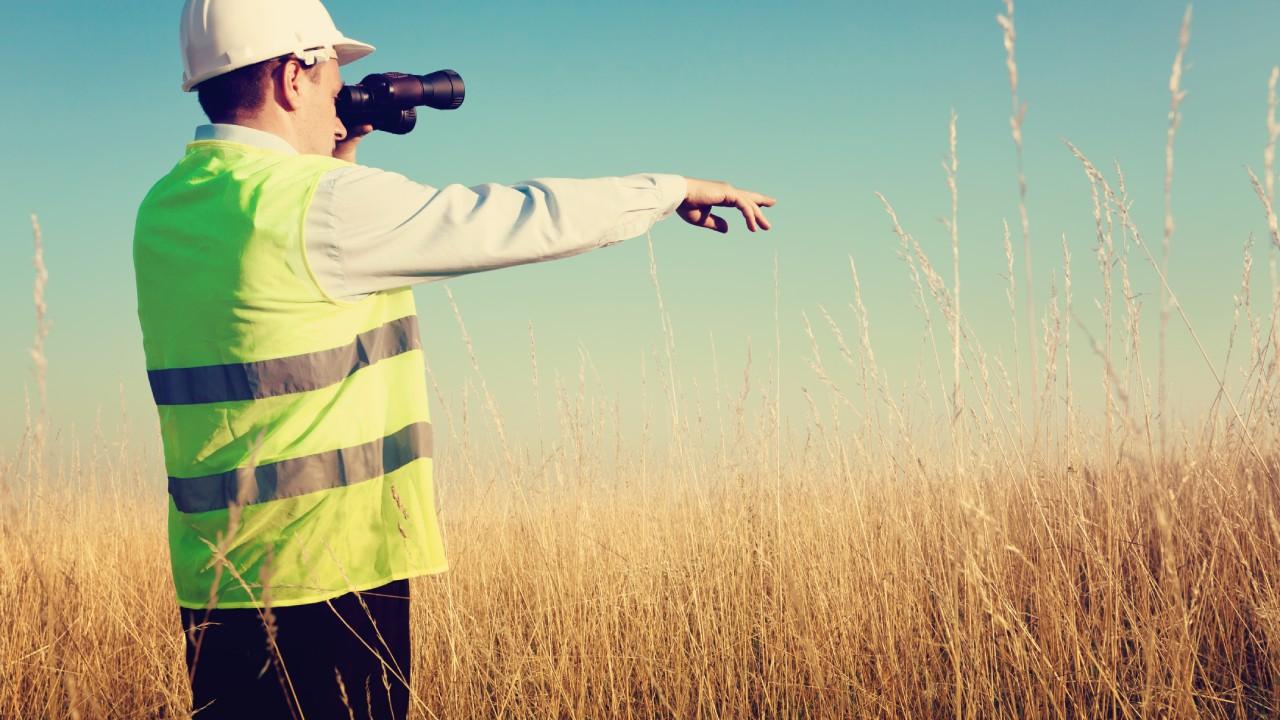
(819,104)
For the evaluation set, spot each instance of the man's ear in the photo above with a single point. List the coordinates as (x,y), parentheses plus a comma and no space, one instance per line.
(289,86)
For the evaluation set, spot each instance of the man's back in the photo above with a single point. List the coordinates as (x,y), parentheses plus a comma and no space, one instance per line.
(308,413)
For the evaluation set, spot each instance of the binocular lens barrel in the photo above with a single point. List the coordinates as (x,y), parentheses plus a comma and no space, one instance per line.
(388,100)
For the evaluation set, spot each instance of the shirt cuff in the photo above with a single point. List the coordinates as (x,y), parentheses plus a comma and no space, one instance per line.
(672,189)
(662,194)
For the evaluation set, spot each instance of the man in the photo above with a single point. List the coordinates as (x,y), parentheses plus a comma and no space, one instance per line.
(282,347)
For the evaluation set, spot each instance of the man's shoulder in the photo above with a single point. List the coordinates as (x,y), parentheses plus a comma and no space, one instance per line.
(349,176)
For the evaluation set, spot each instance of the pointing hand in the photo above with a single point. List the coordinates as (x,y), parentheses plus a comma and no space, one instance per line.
(702,195)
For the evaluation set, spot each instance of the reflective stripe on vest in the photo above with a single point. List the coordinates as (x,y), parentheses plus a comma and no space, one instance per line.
(282,376)
(296,428)
(301,475)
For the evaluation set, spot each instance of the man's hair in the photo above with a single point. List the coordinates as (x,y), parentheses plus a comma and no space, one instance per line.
(242,91)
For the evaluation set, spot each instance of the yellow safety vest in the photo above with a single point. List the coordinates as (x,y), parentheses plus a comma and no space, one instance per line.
(296,431)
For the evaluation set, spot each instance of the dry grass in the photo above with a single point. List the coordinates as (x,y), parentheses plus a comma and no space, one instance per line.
(1002,558)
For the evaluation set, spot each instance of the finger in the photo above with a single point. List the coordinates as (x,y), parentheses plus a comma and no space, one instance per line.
(703,218)
(761,220)
(748,213)
(714,222)
(758,198)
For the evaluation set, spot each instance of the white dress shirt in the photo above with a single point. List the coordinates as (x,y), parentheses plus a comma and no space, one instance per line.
(368,230)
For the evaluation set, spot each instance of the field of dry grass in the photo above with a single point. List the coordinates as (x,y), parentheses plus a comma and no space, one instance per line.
(1006,555)
(880,593)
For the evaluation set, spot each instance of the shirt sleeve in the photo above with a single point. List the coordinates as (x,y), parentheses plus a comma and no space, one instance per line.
(368,230)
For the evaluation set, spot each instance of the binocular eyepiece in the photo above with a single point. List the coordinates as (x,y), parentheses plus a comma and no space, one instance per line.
(388,100)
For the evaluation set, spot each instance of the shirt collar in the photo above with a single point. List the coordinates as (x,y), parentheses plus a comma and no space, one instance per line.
(244,135)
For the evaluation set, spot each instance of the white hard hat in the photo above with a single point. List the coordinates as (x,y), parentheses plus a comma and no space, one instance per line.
(219,36)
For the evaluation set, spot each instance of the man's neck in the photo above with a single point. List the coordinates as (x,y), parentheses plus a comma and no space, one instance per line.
(270,125)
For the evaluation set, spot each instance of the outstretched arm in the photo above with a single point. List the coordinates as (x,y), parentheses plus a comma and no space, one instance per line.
(369,230)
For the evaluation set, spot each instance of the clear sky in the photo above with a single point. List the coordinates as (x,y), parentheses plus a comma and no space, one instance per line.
(819,104)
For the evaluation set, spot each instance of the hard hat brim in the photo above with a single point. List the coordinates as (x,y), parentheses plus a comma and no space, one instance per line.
(351,50)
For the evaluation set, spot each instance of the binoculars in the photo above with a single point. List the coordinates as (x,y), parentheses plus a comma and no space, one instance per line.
(388,101)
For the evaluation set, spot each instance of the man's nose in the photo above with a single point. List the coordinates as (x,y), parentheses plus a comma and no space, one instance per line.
(339,131)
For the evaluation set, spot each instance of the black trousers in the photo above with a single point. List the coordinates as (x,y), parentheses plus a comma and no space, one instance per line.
(235,673)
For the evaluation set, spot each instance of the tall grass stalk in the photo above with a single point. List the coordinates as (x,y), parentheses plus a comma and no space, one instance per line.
(1176,95)
(37,425)
(950,167)
(1016,118)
